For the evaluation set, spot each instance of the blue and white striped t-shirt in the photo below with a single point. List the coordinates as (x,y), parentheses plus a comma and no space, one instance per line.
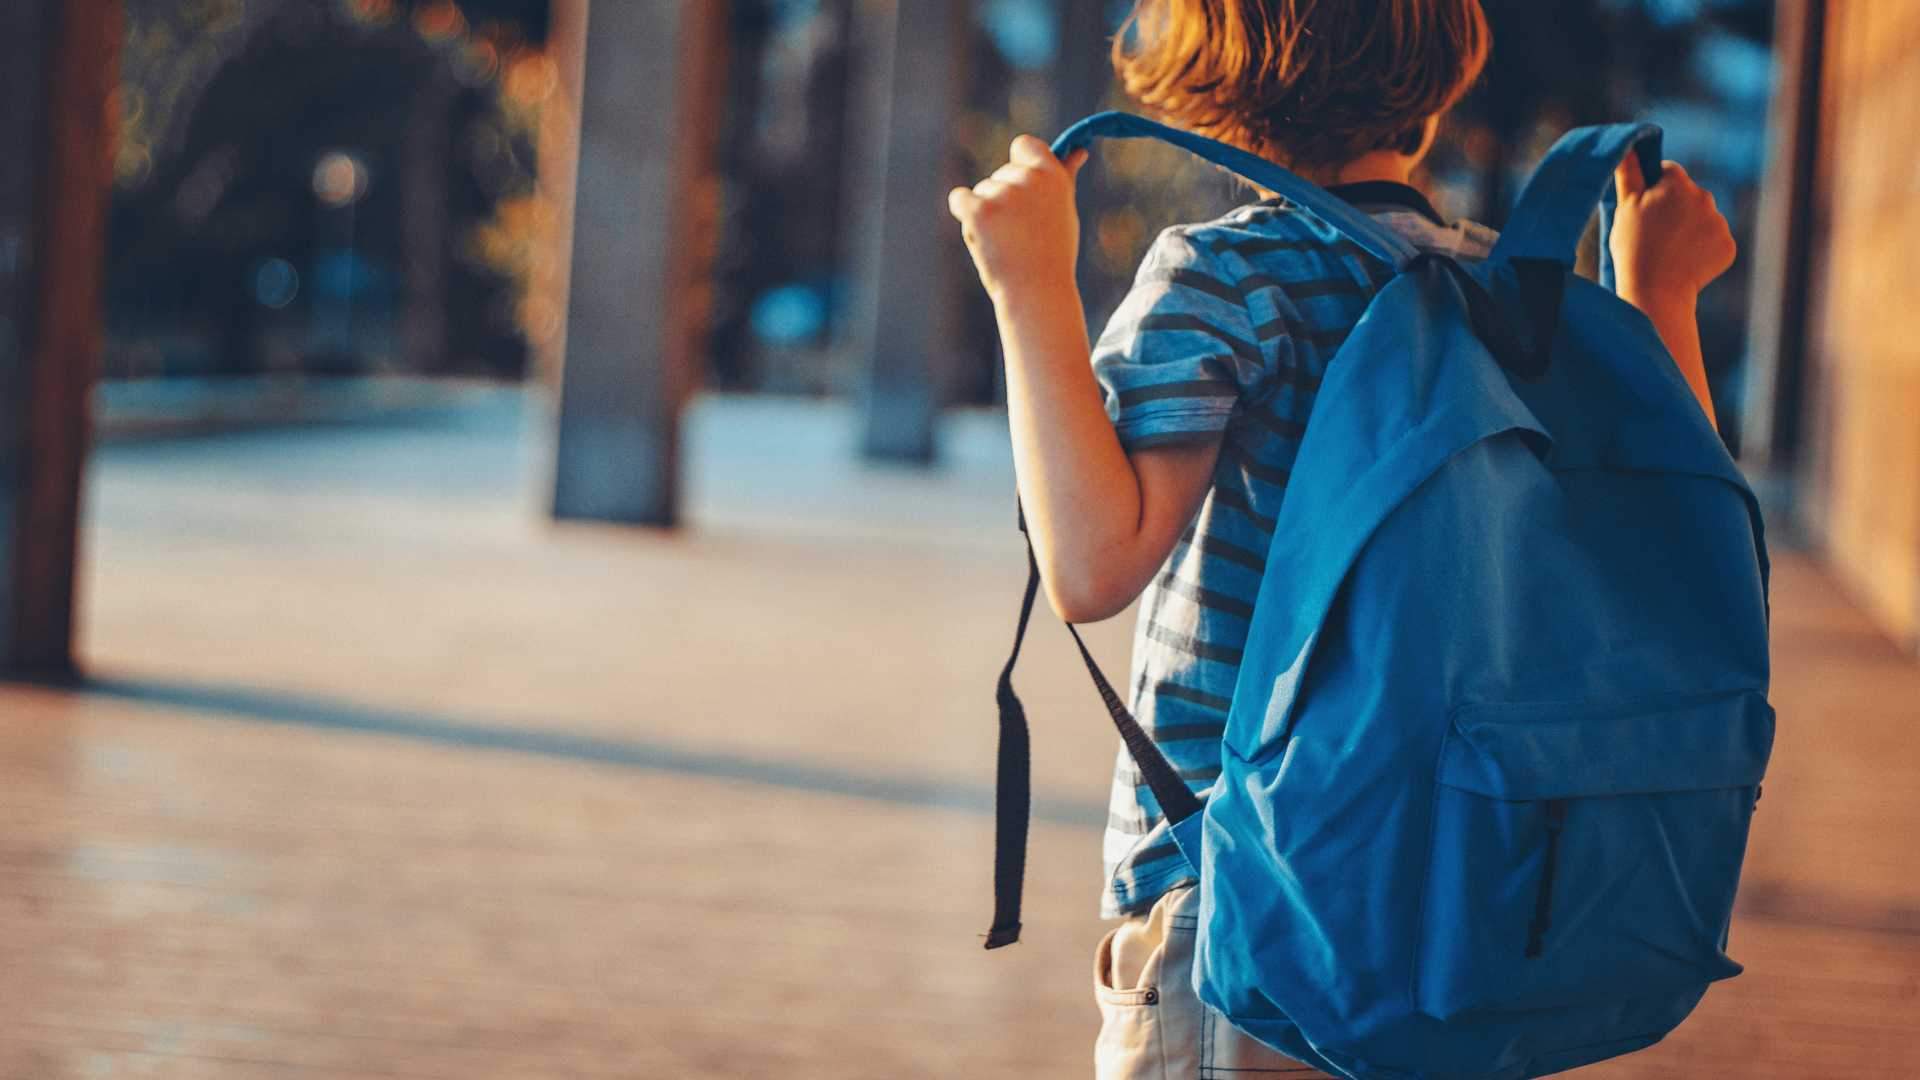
(1226,333)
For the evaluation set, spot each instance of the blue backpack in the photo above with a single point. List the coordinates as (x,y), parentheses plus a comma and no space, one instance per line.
(1501,724)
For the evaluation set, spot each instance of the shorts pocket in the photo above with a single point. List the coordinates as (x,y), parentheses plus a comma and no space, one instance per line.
(1130,1046)
(1586,853)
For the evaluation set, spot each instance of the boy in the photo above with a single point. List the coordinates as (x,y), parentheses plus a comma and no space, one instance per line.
(1153,464)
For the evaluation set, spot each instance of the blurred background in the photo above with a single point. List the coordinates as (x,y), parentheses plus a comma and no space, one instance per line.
(508,531)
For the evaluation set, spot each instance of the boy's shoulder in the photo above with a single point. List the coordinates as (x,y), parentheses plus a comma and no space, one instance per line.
(1258,238)
(1250,229)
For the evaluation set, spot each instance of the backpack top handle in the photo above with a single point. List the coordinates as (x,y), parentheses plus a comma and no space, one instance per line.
(1376,239)
(1553,208)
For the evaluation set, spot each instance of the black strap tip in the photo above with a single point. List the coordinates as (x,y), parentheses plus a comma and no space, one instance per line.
(1003,935)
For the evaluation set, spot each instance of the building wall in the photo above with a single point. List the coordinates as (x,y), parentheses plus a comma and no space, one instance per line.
(1860,479)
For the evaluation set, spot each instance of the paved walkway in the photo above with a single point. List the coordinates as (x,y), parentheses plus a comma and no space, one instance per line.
(381,775)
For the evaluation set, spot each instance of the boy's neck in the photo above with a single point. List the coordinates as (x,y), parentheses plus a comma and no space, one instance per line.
(1378,165)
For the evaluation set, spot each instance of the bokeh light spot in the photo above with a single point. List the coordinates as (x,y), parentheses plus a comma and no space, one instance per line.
(275,283)
(339,178)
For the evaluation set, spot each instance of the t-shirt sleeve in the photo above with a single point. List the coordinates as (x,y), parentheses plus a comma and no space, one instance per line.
(1180,350)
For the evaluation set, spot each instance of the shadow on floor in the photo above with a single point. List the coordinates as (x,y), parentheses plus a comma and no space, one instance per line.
(267,706)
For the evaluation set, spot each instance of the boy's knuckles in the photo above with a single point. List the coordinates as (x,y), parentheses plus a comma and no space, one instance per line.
(1017,177)
(1028,148)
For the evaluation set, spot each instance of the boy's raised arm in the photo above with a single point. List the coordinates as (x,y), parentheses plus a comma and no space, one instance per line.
(1101,521)
(1669,241)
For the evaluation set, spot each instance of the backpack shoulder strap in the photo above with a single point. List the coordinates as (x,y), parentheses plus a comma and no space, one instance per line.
(1358,226)
(1560,196)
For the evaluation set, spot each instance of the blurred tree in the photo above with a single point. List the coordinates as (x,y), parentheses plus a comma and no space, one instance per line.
(1555,66)
(228,106)
(1550,67)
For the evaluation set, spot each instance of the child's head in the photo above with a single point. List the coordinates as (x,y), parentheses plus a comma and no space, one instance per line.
(1313,83)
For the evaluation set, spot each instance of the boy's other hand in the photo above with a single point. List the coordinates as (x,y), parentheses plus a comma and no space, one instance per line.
(1020,223)
(1669,240)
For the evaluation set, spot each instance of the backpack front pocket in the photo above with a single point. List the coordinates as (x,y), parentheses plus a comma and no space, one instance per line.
(1586,853)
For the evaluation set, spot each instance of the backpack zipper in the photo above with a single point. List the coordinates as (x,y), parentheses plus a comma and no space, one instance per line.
(1543,900)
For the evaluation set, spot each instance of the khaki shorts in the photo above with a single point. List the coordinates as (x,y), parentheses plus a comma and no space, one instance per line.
(1152,1026)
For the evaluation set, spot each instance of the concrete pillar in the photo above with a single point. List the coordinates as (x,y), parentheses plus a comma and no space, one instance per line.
(426,154)
(57,62)
(642,228)
(904,257)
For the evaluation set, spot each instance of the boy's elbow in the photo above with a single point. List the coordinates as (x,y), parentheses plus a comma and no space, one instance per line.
(1087,597)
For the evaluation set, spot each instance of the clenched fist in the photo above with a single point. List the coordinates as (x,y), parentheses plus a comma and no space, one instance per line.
(1669,240)
(1020,223)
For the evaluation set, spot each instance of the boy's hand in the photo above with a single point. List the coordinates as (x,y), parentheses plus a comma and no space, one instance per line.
(1020,223)
(1669,240)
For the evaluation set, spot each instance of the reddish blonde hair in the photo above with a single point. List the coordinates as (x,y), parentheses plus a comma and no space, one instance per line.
(1313,83)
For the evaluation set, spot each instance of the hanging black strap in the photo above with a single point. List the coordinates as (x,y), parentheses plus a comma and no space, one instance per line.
(1013,791)
(1013,798)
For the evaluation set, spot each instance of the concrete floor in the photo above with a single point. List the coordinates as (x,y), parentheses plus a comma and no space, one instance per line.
(382,775)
